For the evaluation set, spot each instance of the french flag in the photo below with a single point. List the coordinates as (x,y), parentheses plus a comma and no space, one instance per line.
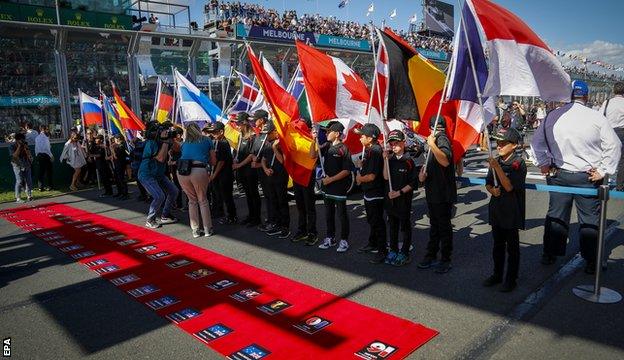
(247,96)
(90,110)
(462,84)
(520,64)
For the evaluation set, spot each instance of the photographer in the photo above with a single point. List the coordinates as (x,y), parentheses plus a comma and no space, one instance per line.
(21,161)
(152,174)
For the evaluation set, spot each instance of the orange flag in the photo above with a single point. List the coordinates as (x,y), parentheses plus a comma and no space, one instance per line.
(129,120)
(294,135)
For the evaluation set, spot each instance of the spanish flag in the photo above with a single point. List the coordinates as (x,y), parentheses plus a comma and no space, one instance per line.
(128,119)
(163,104)
(232,134)
(294,136)
(415,85)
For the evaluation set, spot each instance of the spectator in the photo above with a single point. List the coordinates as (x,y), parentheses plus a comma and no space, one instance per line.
(75,156)
(613,109)
(43,152)
(21,160)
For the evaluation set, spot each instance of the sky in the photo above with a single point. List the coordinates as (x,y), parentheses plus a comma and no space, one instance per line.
(591,28)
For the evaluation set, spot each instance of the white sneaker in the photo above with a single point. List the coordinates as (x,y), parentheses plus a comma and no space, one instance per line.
(19,201)
(327,243)
(343,246)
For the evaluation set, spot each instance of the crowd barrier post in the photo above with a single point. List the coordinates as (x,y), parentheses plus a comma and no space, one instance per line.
(595,293)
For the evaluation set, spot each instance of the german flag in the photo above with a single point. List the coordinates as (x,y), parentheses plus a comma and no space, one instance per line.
(128,119)
(415,84)
(294,136)
(163,104)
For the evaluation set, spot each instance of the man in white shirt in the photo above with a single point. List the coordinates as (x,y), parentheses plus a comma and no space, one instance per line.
(574,146)
(43,152)
(31,134)
(613,109)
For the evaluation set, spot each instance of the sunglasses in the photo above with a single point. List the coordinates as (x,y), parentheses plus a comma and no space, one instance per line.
(501,143)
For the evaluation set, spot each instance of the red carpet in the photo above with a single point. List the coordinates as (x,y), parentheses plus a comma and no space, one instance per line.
(208,295)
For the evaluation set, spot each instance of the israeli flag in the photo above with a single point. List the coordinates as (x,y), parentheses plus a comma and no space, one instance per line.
(192,104)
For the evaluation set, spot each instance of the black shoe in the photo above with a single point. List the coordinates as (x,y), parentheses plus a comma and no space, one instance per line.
(548,259)
(253,223)
(427,263)
(492,280)
(299,236)
(275,230)
(443,267)
(378,258)
(246,221)
(168,219)
(116,195)
(265,227)
(590,268)
(105,195)
(229,221)
(508,286)
(124,197)
(285,233)
(311,240)
(366,249)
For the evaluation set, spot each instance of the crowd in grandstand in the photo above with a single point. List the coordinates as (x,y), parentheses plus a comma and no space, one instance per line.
(231,13)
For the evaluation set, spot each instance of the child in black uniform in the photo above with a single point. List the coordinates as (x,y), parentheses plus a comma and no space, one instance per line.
(223,176)
(402,172)
(507,207)
(277,182)
(371,179)
(337,165)
(120,162)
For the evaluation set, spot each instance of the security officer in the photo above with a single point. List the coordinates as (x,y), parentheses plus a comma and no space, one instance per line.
(441,193)
(247,176)
(401,170)
(574,146)
(371,180)
(277,182)
(261,117)
(507,207)
(222,176)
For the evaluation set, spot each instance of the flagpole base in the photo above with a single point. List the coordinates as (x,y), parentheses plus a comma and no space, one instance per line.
(606,296)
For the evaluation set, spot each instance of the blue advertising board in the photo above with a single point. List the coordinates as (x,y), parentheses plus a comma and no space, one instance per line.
(36,100)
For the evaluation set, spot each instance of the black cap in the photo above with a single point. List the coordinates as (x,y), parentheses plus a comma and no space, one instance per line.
(510,134)
(260,114)
(396,135)
(370,130)
(268,127)
(216,126)
(441,122)
(335,126)
(242,117)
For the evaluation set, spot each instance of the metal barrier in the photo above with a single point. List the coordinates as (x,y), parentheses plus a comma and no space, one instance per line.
(594,293)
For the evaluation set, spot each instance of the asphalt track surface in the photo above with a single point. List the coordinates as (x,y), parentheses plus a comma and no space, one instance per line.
(52,307)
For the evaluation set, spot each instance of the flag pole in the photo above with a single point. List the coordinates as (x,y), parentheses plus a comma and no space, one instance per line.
(176,101)
(253,84)
(230,104)
(477,85)
(318,146)
(376,85)
(156,98)
(106,134)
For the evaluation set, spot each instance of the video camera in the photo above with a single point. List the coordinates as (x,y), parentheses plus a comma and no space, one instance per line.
(160,132)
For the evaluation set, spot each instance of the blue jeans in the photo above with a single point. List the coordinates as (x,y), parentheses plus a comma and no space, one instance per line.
(22,179)
(162,191)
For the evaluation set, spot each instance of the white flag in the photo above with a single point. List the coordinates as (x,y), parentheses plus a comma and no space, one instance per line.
(393,14)
(414,19)
(371,8)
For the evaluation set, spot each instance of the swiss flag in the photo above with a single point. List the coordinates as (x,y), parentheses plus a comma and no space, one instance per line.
(334,90)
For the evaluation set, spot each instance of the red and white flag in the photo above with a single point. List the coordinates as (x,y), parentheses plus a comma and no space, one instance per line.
(380,85)
(520,63)
(334,90)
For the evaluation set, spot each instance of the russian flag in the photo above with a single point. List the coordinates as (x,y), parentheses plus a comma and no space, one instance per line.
(521,64)
(90,110)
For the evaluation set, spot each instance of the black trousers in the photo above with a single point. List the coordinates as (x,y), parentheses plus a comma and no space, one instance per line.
(181,200)
(90,175)
(277,187)
(268,205)
(249,180)
(558,217)
(440,230)
(506,240)
(225,189)
(374,217)
(120,179)
(45,169)
(394,223)
(103,169)
(330,217)
(306,207)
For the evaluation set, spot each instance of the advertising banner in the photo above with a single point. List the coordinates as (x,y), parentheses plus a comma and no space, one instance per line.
(439,17)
